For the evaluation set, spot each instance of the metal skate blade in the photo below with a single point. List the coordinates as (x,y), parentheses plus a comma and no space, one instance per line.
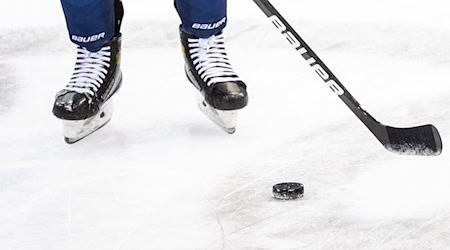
(75,131)
(226,120)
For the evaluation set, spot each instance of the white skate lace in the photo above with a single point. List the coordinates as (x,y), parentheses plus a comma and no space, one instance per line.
(210,59)
(90,71)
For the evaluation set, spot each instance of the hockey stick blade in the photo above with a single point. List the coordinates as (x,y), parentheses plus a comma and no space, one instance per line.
(422,140)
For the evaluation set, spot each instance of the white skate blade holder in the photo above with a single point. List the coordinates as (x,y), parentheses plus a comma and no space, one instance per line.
(77,130)
(226,120)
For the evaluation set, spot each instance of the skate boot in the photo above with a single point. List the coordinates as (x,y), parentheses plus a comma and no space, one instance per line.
(85,104)
(208,68)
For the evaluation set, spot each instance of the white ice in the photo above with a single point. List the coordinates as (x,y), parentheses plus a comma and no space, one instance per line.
(162,176)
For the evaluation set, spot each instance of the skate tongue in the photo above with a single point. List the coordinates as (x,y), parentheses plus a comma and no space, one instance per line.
(423,140)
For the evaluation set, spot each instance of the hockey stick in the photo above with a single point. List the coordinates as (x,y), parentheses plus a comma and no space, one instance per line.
(422,140)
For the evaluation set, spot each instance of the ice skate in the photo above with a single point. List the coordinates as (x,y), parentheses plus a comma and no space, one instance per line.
(85,104)
(208,68)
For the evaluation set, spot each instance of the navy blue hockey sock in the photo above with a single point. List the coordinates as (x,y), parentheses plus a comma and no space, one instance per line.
(91,23)
(202,18)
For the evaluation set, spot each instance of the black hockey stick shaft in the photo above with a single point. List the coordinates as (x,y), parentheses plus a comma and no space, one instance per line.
(423,140)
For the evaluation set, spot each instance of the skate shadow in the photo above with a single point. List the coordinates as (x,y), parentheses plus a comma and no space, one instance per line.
(207,130)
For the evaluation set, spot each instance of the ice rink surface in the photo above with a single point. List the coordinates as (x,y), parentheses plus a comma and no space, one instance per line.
(161,176)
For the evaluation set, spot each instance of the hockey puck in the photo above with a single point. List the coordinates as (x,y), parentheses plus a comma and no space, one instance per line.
(288,191)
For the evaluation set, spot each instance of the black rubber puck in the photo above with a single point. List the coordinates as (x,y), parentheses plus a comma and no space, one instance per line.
(288,191)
